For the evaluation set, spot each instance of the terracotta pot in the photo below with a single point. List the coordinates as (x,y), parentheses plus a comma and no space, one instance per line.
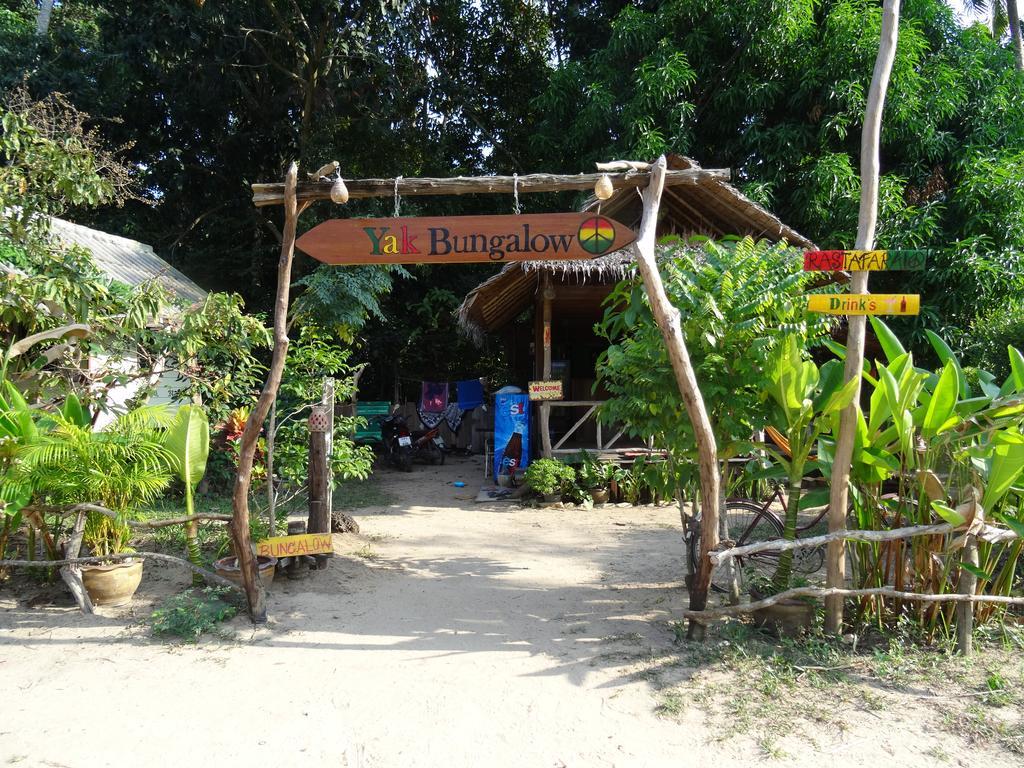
(789,618)
(228,568)
(112,584)
(599,495)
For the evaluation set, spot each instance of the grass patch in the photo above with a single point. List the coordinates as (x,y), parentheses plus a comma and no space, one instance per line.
(359,494)
(763,689)
(366,552)
(192,614)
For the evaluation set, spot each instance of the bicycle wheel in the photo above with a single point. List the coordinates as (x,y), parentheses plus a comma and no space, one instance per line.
(746,524)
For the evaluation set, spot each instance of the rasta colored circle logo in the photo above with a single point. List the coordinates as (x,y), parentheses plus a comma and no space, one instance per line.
(596,235)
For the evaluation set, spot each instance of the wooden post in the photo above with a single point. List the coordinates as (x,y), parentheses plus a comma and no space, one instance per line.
(328,402)
(254,593)
(547,294)
(271,491)
(72,573)
(319,474)
(667,317)
(966,585)
(867,220)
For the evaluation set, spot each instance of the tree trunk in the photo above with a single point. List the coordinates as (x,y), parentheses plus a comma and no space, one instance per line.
(1013,19)
(667,317)
(254,425)
(967,585)
(43,17)
(866,223)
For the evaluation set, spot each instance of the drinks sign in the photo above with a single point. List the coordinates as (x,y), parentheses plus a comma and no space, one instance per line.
(463,239)
(865,304)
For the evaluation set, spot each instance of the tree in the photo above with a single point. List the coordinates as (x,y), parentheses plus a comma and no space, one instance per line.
(776,90)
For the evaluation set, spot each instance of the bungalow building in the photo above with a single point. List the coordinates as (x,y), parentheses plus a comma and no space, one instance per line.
(568,297)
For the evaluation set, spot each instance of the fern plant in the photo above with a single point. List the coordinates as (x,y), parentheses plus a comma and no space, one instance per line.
(120,467)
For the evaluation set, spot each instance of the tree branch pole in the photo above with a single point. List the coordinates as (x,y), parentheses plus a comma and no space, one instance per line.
(254,592)
(1013,22)
(273,194)
(211,577)
(987,533)
(892,592)
(866,222)
(667,317)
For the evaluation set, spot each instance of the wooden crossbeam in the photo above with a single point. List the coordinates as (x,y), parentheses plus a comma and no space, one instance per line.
(575,426)
(273,194)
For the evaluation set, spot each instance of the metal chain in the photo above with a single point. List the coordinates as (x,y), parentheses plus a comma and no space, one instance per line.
(398,199)
(516,208)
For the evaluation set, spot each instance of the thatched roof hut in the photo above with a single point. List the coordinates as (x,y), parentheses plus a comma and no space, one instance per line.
(708,207)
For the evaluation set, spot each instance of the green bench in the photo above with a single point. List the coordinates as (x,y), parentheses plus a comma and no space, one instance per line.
(371,410)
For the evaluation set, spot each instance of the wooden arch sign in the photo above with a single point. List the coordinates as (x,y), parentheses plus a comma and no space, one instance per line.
(465,239)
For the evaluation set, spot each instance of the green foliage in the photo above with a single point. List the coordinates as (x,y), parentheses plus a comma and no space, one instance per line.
(594,474)
(121,468)
(952,453)
(804,399)
(549,476)
(776,90)
(311,358)
(739,302)
(191,614)
(188,442)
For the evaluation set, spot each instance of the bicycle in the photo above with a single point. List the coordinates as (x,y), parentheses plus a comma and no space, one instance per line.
(748,522)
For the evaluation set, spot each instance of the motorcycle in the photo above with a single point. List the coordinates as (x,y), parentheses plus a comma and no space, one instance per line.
(397,441)
(428,445)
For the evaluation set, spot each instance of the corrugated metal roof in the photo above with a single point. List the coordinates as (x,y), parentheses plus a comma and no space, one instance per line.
(126,261)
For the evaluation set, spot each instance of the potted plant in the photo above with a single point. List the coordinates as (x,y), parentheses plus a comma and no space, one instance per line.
(596,478)
(120,468)
(549,478)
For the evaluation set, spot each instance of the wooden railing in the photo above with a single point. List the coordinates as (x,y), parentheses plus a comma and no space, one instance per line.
(591,406)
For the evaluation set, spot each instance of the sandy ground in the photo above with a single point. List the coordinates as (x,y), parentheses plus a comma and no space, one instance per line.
(460,634)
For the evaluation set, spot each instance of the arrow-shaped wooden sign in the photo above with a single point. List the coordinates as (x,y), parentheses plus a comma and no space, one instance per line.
(865,304)
(462,239)
(864,261)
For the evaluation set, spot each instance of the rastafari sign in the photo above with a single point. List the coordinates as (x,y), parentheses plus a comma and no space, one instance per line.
(462,239)
(864,261)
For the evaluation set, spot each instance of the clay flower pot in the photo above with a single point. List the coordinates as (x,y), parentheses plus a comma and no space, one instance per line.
(599,495)
(112,584)
(228,568)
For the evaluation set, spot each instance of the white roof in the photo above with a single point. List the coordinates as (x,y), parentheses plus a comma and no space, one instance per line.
(126,261)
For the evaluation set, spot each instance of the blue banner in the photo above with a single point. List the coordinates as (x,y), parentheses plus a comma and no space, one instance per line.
(511,433)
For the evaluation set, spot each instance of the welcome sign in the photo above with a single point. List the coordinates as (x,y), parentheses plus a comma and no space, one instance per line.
(465,239)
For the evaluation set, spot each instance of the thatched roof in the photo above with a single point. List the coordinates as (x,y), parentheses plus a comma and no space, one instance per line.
(710,207)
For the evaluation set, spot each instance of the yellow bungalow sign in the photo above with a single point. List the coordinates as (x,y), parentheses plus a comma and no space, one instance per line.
(865,304)
(295,546)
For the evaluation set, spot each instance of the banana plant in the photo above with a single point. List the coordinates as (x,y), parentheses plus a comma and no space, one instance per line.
(188,441)
(806,398)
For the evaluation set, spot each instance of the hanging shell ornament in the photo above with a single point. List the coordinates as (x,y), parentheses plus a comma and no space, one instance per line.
(603,189)
(339,192)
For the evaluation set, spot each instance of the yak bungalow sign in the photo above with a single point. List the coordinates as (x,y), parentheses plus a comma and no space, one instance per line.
(294,546)
(462,239)
(545,390)
(865,304)
(864,261)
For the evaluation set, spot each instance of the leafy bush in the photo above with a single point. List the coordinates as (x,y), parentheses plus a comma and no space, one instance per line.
(993,332)
(192,613)
(549,476)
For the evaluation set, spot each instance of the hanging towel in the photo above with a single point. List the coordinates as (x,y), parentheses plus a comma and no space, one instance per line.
(430,419)
(470,394)
(453,416)
(435,397)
